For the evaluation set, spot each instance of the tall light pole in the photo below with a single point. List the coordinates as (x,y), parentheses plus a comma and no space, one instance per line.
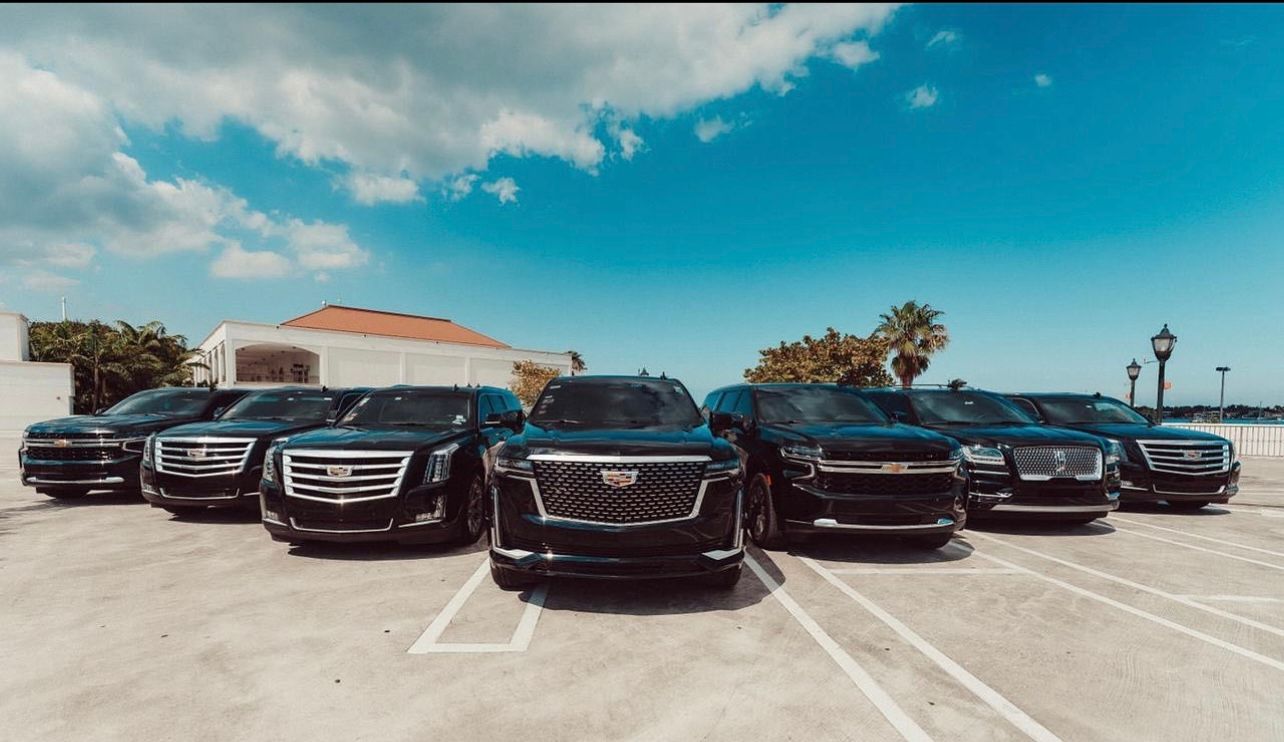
(1162,343)
(1134,370)
(1221,404)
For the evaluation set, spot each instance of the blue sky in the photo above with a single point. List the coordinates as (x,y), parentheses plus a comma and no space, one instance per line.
(1064,181)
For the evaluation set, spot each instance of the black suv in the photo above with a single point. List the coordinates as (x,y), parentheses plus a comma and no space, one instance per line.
(70,456)
(1188,469)
(821,458)
(406,463)
(219,463)
(1015,465)
(618,477)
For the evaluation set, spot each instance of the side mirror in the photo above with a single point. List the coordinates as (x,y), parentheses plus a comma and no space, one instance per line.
(513,419)
(721,422)
(100,410)
(331,419)
(218,411)
(898,417)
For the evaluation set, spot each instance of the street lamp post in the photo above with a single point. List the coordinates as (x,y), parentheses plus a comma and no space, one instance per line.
(1221,403)
(1134,370)
(1162,343)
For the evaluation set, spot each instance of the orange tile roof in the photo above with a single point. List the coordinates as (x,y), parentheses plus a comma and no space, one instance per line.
(391,324)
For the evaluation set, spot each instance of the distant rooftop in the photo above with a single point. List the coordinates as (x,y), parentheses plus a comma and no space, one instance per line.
(391,324)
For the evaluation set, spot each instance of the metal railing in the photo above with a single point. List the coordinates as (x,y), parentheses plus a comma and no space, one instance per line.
(1249,440)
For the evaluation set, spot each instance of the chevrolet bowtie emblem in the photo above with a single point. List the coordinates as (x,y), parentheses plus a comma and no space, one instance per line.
(894,468)
(618,478)
(61,443)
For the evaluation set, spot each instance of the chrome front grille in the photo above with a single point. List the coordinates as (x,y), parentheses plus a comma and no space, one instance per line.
(661,489)
(343,476)
(1187,457)
(202,456)
(1041,463)
(88,447)
(904,475)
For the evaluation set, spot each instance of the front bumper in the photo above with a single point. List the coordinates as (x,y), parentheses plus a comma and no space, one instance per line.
(119,473)
(236,490)
(1140,484)
(399,519)
(808,510)
(1053,499)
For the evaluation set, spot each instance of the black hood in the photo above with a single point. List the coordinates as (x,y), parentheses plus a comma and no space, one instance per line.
(1135,431)
(697,441)
(887,439)
(374,438)
(1018,435)
(244,428)
(107,424)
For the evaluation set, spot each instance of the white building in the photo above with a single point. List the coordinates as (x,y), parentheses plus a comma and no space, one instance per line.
(29,391)
(339,346)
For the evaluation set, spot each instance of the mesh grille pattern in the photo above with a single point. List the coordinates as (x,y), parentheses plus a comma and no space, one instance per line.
(575,490)
(884,484)
(1187,457)
(48,453)
(1051,462)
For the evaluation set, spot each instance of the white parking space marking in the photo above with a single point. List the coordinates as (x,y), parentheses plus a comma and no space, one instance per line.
(1184,600)
(992,698)
(1129,521)
(921,571)
(1268,512)
(890,710)
(1206,550)
(521,640)
(1228,646)
(1234,598)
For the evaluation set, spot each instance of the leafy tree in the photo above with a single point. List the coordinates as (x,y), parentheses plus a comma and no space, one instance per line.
(529,379)
(913,334)
(834,357)
(578,366)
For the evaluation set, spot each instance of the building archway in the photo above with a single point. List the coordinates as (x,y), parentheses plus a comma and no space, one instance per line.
(270,363)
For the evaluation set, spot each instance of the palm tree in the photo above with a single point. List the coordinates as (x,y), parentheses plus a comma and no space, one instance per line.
(914,334)
(577,362)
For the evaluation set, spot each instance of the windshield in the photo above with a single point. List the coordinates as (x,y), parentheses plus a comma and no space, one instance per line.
(819,404)
(282,405)
(1081,410)
(171,402)
(616,403)
(966,408)
(412,408)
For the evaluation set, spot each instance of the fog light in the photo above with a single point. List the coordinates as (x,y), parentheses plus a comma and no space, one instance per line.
(1129,485)
(437,513)
(271,515)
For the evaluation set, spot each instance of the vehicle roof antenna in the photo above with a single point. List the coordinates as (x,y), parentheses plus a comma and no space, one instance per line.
(663,376)
(643,372)
(956,384)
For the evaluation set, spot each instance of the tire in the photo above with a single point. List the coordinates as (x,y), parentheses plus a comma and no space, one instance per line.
(472,517)
(763,524)
(724,580)
(933,541)
(65,493)
(182,510)
(510,579)
(1187,504)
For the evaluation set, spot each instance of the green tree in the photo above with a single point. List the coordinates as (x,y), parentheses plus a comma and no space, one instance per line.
(529,379)
(913,335)
(834,357)
(578,366)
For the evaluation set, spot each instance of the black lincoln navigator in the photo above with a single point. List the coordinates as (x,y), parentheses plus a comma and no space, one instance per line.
(1015,466)
(406,464)
(616,477)
(1188,469)
(821,458)
(219,463)
(70,456)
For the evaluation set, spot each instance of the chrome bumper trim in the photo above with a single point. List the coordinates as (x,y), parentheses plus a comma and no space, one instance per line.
(831,523)
(1014,508)
(103,480)
(511,553)
(720,554)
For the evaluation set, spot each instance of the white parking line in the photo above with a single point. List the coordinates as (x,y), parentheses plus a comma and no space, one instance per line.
(1184,600)
(1234,598)
(992,698)
(1115,518)
(1199,548)
(890,710)
(520,641)
(921,571)
(1228,646)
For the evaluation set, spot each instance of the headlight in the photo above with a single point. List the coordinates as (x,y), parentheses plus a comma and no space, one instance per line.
(514,465)
(985,455)
(1115,452)
(801,451)
(956,454)
(269,459)
(134,445)
(1234,455)
(717,468)
(149,449)
(438,468)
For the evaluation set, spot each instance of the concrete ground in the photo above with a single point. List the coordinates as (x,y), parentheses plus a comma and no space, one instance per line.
(121,622)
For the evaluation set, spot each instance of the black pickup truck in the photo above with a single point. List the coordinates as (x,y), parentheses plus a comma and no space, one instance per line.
(70,456)
(405,464)
(219,463)
(822,458)
(616,477)
(1188,469)
(1015,466)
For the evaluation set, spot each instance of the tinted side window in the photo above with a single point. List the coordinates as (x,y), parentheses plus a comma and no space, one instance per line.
(512,403)
(1027,405)
(710,403)
(728,401)
(744,404)
(486,407)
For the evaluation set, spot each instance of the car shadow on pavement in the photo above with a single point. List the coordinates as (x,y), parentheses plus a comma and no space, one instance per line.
(378,551)
(652,597)
(215,516)
(875,550)
(1165,509)
(92,499)
(1100,527)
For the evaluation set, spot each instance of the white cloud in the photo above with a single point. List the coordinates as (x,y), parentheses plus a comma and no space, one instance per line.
(707,130)
(319,245)
(235,262)
(924,96)
(945,37)
(375,189)
(630,142)
(70,255)
(853,54)
(505,189)
(458,187)
(1042,80)
(43,280)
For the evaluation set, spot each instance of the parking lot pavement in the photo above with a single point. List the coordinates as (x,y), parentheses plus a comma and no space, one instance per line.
(121,622)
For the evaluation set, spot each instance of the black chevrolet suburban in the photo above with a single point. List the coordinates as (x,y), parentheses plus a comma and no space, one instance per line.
(1015,466)
(1188,469)
(70,456)
(616,477)
(406,464)
(219,463)
(821,458)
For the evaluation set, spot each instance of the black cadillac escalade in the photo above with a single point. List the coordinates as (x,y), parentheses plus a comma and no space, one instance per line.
(821,458)
(219,463)
(1015,466)
(70,456)
(406,464)
(616,477)
(1188,469)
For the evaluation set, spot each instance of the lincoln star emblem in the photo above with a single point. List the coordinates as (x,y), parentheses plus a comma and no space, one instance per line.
(339,471)
(1193,454)
(619,479)
(62,443)
(196,453)
(894,468)
(1059,461)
